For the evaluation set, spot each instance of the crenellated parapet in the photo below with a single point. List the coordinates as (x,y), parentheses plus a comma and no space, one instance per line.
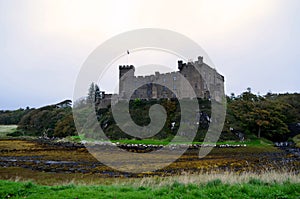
(126,67)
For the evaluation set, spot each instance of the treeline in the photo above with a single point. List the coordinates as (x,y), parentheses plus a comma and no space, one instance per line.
(49,121)
(266,116)
(248,115)
(12,117)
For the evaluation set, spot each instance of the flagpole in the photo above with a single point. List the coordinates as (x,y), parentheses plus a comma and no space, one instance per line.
(127,56)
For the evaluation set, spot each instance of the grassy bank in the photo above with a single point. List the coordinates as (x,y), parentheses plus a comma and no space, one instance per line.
(254,141)
(5,129)
(213,189)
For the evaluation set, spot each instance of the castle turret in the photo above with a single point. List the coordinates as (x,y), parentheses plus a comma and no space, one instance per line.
(181,65)
(126,68)
(126,76)
(200,60)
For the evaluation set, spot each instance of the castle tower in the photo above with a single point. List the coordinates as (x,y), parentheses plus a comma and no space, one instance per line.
(126,77)
(123,69)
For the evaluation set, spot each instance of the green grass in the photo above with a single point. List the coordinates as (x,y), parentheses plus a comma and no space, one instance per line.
(253,142)
(5,129)
(213,189)
(144,141)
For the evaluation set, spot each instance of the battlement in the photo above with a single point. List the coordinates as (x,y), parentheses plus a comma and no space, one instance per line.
(181,65)
(121,67)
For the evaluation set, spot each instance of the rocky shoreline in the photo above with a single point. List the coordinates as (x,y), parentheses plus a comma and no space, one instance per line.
(130,147)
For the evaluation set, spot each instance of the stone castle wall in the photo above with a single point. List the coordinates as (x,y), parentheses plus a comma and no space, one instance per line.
(202,81)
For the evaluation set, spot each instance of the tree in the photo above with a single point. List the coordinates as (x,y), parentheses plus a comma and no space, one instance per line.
(94,94)
(253,113)
(91,93)
(97,93)
(65,127)
(12,117)
(43,121)
(261,118)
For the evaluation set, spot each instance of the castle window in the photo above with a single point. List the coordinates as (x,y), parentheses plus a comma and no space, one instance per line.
(174,78)
(184,75)
(174,87)
(164,79)
(196,85)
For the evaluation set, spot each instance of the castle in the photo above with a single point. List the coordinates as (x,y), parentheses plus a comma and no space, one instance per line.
(161,85)
(205,81)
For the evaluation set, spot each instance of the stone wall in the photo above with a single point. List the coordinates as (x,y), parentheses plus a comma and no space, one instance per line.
(202,80)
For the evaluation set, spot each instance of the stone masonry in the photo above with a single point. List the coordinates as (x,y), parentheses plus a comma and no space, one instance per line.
(205,81)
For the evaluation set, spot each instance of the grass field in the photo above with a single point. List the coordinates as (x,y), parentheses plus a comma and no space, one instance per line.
(213,189)
(5,129)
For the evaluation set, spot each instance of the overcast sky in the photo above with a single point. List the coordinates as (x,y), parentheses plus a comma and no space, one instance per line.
(253,43)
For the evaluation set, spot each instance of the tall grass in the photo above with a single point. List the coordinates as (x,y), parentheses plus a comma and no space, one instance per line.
(226,178)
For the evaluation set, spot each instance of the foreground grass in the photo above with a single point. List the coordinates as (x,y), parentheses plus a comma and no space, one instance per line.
(49,178)
(214,189)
